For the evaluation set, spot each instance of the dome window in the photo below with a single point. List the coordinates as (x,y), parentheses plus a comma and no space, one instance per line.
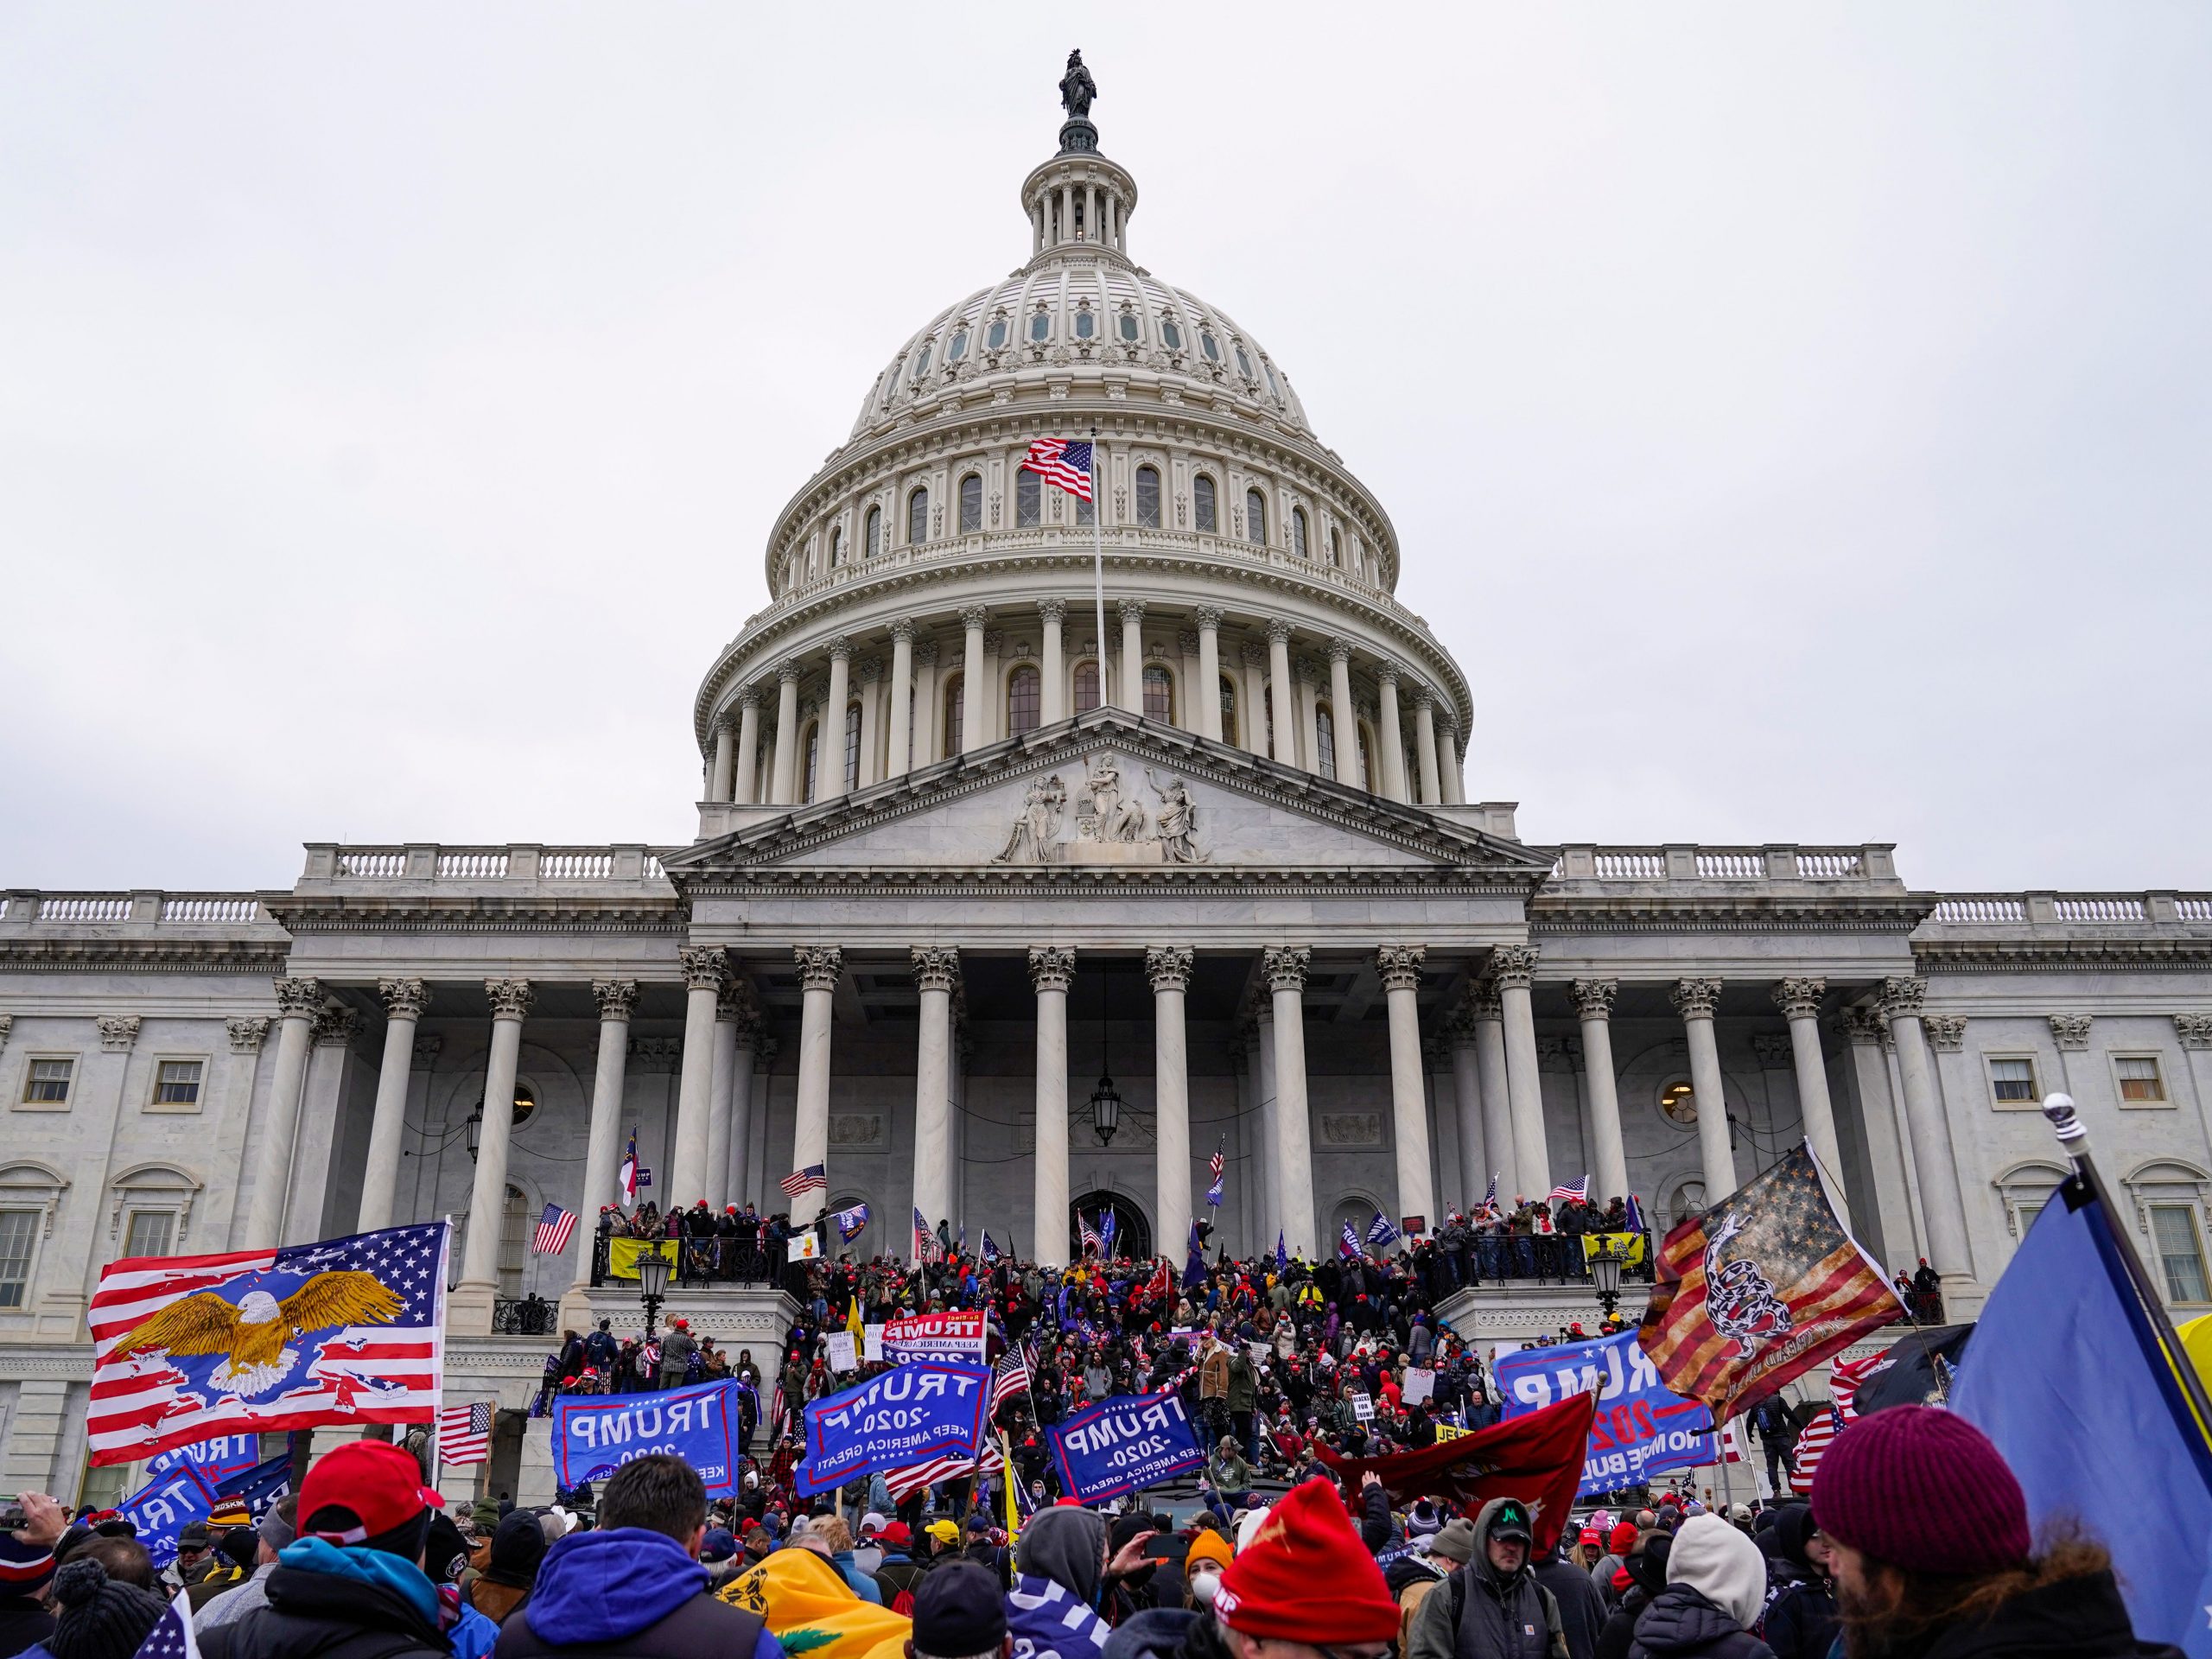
(971,502)
(1025,697)
(1202,503)
(837,546)
(1147,498)
(918,518)
(1040,326)
(995,336)
(1129,324)
(1209,345)
(1029,501)
(1325,741)
(956,348)
(873,544)
(1170,335)
(1085,324)
(1336,549)
(1243,364)
(1256,518)
(921,364)
(852,747)
(1298,532)
(1272,386)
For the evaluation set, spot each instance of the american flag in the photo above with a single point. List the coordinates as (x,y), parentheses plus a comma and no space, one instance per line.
(776,1411)
(1090,1238)
(800,1182)
(1349,1243)
(1012,1377)
(1216,1165)
(1488,1205)
(1577,1193)
(553,1229)
(465,1433)
(627,1177)
(1813,1439)
(171,1636)
(367,1318)
(905,1483)
(1062,462)
(1380,1232)
(924,1240)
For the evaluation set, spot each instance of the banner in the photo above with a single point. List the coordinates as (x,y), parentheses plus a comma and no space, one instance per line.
(219,1459)
(595,1434)
(1125,1445)
(804,1247)
(922,1409)
(1419,1384)
(934,1336)
(622,1254)
(165,1506)
(1627,1246)
(1641,1426)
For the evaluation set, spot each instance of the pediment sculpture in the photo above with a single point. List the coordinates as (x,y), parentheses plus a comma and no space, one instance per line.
(1113,825)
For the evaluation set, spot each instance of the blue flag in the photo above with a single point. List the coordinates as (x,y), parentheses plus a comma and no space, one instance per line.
(849,1221)
(1380,1233)
(261,1486)
(1282,1259)
(164,1506)
(218,1459)
(1194,1270)
(1125,1445)
(1635,1214)
(990,1250)
(2067,1376)
(911,1413)
(1107,1223)
(595,1434)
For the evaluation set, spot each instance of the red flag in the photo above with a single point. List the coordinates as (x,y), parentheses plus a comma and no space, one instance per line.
(1758,1290)
(1537,1458)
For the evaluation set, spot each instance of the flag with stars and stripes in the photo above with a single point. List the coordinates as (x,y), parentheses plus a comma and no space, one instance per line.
(465,1433)
(924,1240)
(1063,463)
(906,1483)
(171,1636)
(1577,1192)
(1635,1215)
(1488,1205)
(553,1227)
(800,1182)
(1012,1377)
(1217,1164)
(1092,1240)
(1380,1233)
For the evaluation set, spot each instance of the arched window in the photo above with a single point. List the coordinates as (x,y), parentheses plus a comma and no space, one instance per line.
(1202,502)
(1029,501)
(1297,531)
(1025,691)
(1256,518)
(873,544)
(1228,709)
(956,716)
(852,747)
(956,348)
(1325,741)
(1170,335)
(921,364)
(837,546)
(1085,324)
(1366,761)
(813,754)
(1158,694)
(1147,498)
(971,503)
(1086,686)
(918,518)
(1041,327)
(1336,548)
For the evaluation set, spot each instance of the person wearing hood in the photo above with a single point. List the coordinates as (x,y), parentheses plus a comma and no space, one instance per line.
(1801,1621)
(1062,1575)
(1582,1609)
(1493,1608)
(1646,1568)
(352,1582)
(517,1547)
(633,1586)
(1716,1585)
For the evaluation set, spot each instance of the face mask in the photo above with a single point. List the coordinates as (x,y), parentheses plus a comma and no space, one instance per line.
(1204,1583)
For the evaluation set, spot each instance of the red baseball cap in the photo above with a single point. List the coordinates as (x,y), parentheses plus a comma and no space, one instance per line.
(380,1483)
(894,1532)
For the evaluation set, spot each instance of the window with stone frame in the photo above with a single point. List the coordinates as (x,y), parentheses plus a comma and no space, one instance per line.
(813,755)
(2181,1252)
(1086,512)
(1029,501)
(1336,549)
(1229,711)
(176,1083)
(956,714)
(1086,686)
(1158,694)
(837,546)
(150,1232)
(1325,740)
(515,1229)
(2141,1083)
(1024,701)
(971,502)
(956,348)
(2012,1082)
(1202,504)
(1366,778)
(46,1080)
(1256,518)
(1147,498)
(19,1242)
(852,747)
(1298,532)
(918,518)
(873,544)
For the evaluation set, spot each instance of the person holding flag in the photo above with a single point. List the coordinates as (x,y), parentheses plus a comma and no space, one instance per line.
(626,1177)
(1217,1163)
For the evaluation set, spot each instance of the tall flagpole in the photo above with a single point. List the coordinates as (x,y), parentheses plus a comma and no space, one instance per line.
(1098,567)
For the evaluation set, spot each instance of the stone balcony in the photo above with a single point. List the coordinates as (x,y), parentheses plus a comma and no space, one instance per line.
(2051,928)
(143,927)
(432,864)
(1585,867)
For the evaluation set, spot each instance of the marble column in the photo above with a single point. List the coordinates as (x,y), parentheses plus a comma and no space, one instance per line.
(1052,672)
(742,1061)
(1513,970)
(618,1001)
(748,746)
(1206,694)
(972,678)
(1448,760)
(1309,713)
(1695,1000)
(1253,725)
(1467,1105)
(870,672)
(1269,1175)
(1896,1220)
(706,971)
(1132,613)
(1284,694)
(1345,717)
(1391,736)
(1052,969)
(1486,1008)
(1432,791)
(1401,968)
(718,784)
(896,744)
(1285,972)
(1594,1006)
(819,967)
(728,1010)
(1168,968)
(937,968)
(829,766)
(927,701)
(787,736)
(299,1000)
(471,1303)
(1800,1002)
(404,1002)
(1942,1211)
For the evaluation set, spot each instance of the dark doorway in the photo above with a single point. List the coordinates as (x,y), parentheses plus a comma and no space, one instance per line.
(1132,1232)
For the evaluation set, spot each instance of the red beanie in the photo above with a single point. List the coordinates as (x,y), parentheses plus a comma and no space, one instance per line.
(1306,1576)
(1876,1482)
(1624,1537)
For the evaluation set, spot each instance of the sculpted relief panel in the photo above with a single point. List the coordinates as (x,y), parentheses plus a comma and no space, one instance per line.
(1113,823)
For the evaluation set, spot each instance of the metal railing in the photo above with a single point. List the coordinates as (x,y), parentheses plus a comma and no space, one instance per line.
(527,1316)
(701,1264)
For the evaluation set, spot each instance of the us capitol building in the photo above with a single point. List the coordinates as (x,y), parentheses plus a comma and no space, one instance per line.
(962,853)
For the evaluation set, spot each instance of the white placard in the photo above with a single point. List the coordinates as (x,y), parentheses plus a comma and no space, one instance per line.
(872,1342)
(806,1246)
(1362,1407)
(841,1351)
(1419,1385)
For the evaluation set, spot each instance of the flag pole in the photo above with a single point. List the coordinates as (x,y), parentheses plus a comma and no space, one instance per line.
(1098,567)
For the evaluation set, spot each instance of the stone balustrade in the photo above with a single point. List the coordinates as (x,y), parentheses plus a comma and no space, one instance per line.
(631,863)
(2035,908)
(31,907)
(1584,862)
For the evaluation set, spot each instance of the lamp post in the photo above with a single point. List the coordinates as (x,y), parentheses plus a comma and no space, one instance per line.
(1605,1264)
(653,1269)
(1105,1099)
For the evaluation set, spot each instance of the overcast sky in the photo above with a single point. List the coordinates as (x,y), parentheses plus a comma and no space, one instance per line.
(1795,419)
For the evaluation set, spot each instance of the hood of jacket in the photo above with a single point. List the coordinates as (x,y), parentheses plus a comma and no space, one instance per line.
(1479,1564)
(601,1586)
(1680,1620)
(1067,1546)
(326,1579)
(1712,1557)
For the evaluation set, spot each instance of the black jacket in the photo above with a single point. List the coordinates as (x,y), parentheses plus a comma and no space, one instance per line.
(321,1615)
(1582,1609)
(23,1623)
(2078,1619)
(1801,1621)
(1682,1624)
(1620,1623)
(702,1628)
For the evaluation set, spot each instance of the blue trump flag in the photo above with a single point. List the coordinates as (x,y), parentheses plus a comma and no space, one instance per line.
(218,1459)
(165,1506)
(2067,1374)
(1125,1445)
(595,1434)
(261,1486)
(925,1409)
(1641,1426)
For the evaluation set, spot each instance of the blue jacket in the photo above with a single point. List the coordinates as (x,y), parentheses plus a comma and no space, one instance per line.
(863,1586)
(603,1587)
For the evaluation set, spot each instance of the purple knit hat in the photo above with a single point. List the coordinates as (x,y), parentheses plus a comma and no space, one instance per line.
(1923,1489)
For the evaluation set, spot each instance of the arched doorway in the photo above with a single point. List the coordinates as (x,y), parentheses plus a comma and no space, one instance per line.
(1132,1232)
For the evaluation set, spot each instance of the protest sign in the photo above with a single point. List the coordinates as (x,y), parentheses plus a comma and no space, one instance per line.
(842,1357)
(1640,1427)
(167,1504)
(871,1342)
(934,1336)
(922,1409)
(804,1247)
(595,1434)
(1125,1445)
(1419,1384)
(1363,1407)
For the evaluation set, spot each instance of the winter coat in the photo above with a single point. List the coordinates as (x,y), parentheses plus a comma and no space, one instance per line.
(1681,1623)
(1619,1629)
(1478,1614)
(328,1603)
(1801,1624)
(624,1593)
(2078,1619)
(1581,1609)
(1244,1382)
(23,1623)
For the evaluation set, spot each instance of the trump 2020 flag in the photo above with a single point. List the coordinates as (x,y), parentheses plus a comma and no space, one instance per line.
(1759,1289)
(2067,1374)
(348,1330)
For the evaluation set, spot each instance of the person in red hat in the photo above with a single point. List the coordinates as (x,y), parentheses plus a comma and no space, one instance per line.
(1305,1584)
(676,1350)
(353,1581)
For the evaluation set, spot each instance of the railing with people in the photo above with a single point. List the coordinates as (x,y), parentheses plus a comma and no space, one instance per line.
(1489,1258)
(701,1263)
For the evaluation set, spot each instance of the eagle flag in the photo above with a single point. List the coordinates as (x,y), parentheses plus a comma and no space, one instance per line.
(1758,1290)
(347,1331)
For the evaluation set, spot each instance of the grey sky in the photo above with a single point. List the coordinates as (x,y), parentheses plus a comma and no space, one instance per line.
(1795,418)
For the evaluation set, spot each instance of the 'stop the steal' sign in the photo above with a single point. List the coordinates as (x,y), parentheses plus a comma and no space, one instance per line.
(1641,1426)
(934,1336)
(1125,1445)
(595,1434)
(929,1408)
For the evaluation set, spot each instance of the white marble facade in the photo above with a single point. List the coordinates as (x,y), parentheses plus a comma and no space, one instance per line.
(954,860)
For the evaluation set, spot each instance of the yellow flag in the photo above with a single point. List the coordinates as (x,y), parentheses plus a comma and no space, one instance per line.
(811,1609)
(853,1324)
